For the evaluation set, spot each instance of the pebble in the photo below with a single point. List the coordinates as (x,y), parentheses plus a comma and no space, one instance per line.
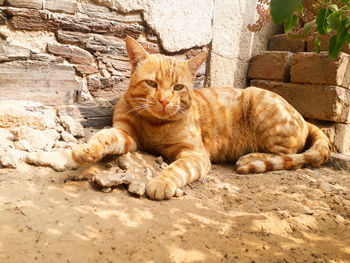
(159,160)
(324,186)
(138,188)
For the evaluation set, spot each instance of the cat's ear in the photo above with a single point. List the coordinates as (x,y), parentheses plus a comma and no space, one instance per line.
(195,62)
(135,51)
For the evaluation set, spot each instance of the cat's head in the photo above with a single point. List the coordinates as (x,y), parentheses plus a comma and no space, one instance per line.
(160,86)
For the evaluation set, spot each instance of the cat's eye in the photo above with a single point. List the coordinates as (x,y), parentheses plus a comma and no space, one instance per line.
(178,87)
(151,83)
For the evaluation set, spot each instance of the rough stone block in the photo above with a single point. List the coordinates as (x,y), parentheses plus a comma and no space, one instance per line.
(40,82)
(65,6)
(324,39)
(338,134)
(309,67)
(2,18)
(86,69)
(94,42)
(30,19)
(36,4)
(9,52)
(107,88)
(72,53)
(339,161)
(281,42)
(272,65)
(329,103)
(96,11)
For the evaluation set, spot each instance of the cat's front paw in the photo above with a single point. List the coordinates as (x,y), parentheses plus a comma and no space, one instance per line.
(86,154)
(159,188)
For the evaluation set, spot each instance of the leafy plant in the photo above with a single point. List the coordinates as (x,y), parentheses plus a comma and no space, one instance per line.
(333,17)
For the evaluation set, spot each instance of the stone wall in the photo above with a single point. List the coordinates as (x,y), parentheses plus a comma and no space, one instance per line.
(319,88)
(71,55)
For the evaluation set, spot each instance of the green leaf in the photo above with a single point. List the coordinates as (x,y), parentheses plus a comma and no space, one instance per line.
(307,27)
(290,23)
(318,45)
(321,21)
(333,7)
(335,21)
(281,11)
(301,9)
(333,53)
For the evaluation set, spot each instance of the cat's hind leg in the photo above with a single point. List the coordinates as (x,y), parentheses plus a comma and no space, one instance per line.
(106,141)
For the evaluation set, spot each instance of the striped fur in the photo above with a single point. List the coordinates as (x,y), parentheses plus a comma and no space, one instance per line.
(161,113)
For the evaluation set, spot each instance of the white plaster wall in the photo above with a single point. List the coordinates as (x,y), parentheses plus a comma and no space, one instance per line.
(233,44)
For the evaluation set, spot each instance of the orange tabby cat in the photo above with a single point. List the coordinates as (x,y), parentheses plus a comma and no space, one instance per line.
(163,114)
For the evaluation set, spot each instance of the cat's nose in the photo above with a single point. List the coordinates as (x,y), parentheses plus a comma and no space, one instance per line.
(164,102)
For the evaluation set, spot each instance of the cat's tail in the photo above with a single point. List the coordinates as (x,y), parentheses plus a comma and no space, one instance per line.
(316,155)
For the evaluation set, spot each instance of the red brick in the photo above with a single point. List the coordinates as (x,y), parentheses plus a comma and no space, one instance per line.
(310,67)
(272,65)
(321,102)
(281,42)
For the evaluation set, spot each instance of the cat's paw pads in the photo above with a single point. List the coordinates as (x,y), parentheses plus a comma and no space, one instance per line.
(160,188)
(86,154)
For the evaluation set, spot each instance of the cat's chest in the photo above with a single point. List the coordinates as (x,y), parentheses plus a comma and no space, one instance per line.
(155,137)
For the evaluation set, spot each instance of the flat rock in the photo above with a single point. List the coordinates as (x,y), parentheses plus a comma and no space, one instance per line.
(111,180)
(72,126)
(59,161)
(11,52)
(9,158)
(181,24)
(26,113)
(138,188)
(73,54)
(66,6)
(6,138)
(67,137)
(32,78)
(37,4)
(38,139)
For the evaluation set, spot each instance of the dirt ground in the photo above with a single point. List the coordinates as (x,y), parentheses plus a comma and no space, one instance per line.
(284,216)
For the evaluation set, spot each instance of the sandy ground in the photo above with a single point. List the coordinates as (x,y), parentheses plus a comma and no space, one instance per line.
(288,216)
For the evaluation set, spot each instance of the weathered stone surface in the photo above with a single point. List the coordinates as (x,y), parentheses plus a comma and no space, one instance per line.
(66,6)
(30,19)
(86,69)
(103,12)
(181,24)
(112,180)
(9,158)
(124,6)
(46,83)
(72,53)
(99,122)
(109,88)
(329,103)
(6,138)
(316,68)
(9,52)
(281,42)
(43,57)
(274,65)
(2,2)
(37,4)
(26,113)
(59,161)
(39,139)
(324,39)
(89,111)
(137,188)
(339,161)
(2,17)
(94,42)
(72,126)
(67,137)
